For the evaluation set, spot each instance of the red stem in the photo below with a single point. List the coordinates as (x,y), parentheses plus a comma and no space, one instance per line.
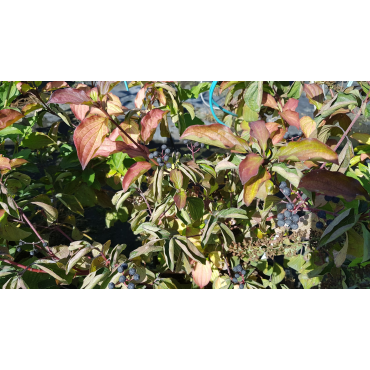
(24,267)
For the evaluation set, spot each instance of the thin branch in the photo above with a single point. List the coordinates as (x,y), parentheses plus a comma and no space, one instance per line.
(145,200)
(24,267)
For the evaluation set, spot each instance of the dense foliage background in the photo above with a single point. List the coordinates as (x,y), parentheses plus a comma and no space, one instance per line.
(268,199)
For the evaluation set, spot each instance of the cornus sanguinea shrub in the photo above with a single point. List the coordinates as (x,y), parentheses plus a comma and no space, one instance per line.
(269,197)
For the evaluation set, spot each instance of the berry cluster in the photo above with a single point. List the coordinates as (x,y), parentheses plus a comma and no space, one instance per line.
(322,214)
(34,251)
(293,133)
(193,144)
(367,160)
(123,278)
(162,157)
(332,199)
(239,276)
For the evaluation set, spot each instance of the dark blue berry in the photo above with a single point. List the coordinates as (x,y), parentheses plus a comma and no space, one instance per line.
(151,155)
(196,144)
(286,191)
(44,244)
(159,160)
(287,214)
(161,164)
(19,249)
(241,286)
(168,165)
(202,145)
(166,158)
(122,279)
(329,222)
(321,214)
(294,226)
(111,285)
(186,141)
(155,154)
(136,277)
(167,151)
(280,216)
(300,132)
(132,271)
(288,222)
(319,225)
(282,185)
(164,147)
(335,200)
(286,135)
(304,196)
(243,272)
(295,218)
(239,268)
(131,286)
(120,269)
(328,198)
(237,276)
(280,223)
(32,253)
(124,266)
(367,160)
(235,281)
(289,206)
(21,242)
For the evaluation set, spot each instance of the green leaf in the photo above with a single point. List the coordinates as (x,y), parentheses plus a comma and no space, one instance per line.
(366,236)
(233,213)
(195,207)
(146,249)
(10,130)
(169,253)
(342,223)
(200,88)
(9,231)
(37,140)
(296,90)
(190,249)
(51,212)
(71,202)
(253,95)
(88,175)
(278,274)
(292,177)
(82,252)
(306,149)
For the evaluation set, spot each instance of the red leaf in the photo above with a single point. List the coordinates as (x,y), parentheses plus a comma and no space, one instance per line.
(216,135)
(249,167)
(89,136)
(8,117)
(79,110)
(180,199)
(69,96)
(260,132)
(105,86)
(269,101)
(272,127)
(333,184)
(16,162)
(202,274)
(134,172)
(5,163)
(109,147)
(149,124)
(313,91)
(279,136)
(55,85)
(291,117)
(291,104)
(140,96)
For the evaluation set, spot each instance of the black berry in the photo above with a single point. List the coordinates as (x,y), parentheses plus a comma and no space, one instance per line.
(328,198)
(321,214)
(319,225)
(329,222)
(124,266)
(335,200)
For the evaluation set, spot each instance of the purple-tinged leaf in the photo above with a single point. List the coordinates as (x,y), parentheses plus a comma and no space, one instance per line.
(249,167)
(69,96)
(260,132)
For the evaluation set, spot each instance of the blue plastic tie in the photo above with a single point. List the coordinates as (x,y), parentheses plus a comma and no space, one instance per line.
(211,102)
(349,83)
(126,85)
